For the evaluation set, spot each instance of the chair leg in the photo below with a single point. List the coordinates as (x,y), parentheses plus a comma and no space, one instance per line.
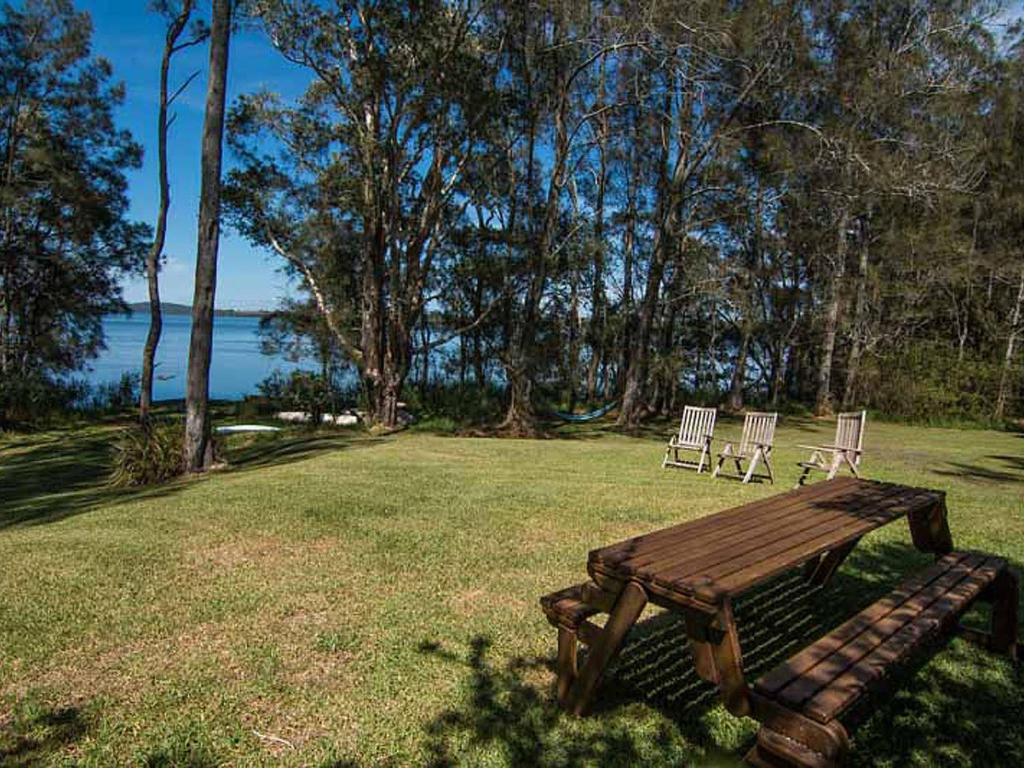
(718,468)
(833,470)
(803,477)
(768,466)
(753,463)
(853,465)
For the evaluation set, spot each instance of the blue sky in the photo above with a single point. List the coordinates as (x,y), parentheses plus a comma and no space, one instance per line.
(131,37)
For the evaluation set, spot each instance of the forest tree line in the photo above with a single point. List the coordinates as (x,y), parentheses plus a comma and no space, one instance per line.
(568,202)
(578,201)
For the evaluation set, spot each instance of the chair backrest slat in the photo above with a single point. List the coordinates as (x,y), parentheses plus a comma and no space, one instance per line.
(696,424)
(758,428)
(850,430)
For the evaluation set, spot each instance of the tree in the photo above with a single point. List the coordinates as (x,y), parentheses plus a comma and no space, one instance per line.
(65,239)
(198,446)
(176,26)
(368,169)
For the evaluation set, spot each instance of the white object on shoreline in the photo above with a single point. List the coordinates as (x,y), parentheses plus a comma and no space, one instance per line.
(232,428)
(303,417)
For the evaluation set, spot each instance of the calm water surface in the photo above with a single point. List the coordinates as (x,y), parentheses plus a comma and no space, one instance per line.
(237,366)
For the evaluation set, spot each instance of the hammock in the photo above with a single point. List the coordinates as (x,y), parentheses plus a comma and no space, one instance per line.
(581,417)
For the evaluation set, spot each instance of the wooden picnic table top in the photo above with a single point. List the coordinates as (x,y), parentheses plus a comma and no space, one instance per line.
(707,560)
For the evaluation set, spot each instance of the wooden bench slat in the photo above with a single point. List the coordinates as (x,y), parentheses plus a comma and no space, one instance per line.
(779,677)
(822,674)
(824,680)
(566,607)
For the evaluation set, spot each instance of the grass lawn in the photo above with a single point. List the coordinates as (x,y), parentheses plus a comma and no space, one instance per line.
(335,599)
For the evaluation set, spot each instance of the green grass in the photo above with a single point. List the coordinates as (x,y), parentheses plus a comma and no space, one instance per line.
(335,599)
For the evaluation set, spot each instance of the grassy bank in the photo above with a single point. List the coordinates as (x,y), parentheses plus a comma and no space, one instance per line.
(335,599)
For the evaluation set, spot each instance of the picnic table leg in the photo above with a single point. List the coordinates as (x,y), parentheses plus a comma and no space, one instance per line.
(825,567)
(697,625)
(627,610)
(929,529)
(725,649)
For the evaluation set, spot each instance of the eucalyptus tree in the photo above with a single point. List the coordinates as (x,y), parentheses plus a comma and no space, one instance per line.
(198,445)
(357,183)
(178,20)
(65,239)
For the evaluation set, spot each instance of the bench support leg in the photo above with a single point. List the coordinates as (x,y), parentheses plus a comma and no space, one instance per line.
(627,610)
(567,646)
(1005,606)
(929,530)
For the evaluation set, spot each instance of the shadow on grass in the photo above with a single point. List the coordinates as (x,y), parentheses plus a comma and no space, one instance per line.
(262,450)
(61,473)
(653,708)
(33,733)
(1012,471)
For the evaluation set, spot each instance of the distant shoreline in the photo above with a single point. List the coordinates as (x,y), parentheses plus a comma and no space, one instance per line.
(170,308)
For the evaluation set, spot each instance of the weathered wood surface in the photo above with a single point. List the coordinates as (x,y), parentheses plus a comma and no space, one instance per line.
(696,431)
(721,556)
(799,702)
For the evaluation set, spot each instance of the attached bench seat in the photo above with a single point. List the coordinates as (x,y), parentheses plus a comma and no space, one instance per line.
(799,702)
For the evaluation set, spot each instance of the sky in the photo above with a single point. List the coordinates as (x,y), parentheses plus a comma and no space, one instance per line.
(131,38)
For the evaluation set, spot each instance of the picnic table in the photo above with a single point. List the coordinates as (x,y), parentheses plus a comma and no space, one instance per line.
(699,567)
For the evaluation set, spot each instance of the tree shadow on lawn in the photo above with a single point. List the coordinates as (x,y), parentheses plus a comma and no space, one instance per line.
(60,477)
(1012,472)
(964,703)
(35,733)
(50,478)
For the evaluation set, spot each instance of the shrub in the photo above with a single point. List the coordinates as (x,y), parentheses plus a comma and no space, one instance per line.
(304,391)
(146,455)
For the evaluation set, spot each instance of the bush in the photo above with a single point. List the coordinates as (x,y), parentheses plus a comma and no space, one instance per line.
(147,455)
(303,391)
(115,396)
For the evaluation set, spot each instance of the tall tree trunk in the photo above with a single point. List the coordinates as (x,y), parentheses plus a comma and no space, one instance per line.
(156,250)
(823,395)
(857,324)
(1011,344)
(734,402)
(198,445)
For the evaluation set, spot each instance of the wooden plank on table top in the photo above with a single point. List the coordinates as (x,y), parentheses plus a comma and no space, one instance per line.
(821,675)
(755,526)
(614,552)
(715,547)
(844,690)
(822,528)
(782,675)
(736,576)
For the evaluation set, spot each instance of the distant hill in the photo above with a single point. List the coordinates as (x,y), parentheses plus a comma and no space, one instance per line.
(170,308)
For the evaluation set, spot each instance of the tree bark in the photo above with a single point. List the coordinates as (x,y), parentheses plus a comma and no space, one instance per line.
(174,30)
(823,396)
(198,445)
(857,324)
(1011,343)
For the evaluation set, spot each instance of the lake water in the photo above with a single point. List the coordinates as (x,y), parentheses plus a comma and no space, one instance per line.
(237,365)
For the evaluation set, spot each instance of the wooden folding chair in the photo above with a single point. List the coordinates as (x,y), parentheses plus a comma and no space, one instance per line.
(755,445)
(845,450)
(696,429)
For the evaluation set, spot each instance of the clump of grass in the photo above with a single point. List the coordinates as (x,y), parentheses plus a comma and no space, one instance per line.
(147,455)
